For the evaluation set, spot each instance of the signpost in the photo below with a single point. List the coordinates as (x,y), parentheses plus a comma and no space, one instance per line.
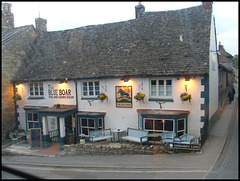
(184,146)
(35,138)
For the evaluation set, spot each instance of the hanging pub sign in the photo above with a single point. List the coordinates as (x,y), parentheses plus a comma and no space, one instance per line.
(124,96)
(59,93)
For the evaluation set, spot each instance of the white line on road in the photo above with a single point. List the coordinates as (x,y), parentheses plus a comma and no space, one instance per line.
(108,170)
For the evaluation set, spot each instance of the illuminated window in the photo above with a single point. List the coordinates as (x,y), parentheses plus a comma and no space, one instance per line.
(158,125)
(161,88)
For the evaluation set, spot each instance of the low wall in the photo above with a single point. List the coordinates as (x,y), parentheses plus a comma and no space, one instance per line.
(111,149)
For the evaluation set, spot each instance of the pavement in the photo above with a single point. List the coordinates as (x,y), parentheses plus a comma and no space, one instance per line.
(206,158)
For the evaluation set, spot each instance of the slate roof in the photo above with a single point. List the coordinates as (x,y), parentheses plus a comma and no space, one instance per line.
(10,34)
(167,43)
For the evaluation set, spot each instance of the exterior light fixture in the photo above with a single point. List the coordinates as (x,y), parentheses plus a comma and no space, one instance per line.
(187,79)
(125,79)
(63,81)
(19,86)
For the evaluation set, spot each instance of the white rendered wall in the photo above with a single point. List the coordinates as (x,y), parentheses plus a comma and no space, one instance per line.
(213,73)
(123,117)
(47,101)
(128,117)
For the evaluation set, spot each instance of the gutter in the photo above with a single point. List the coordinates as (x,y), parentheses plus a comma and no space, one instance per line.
(76,121)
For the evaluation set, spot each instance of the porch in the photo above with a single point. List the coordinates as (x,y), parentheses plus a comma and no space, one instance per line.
(57,123)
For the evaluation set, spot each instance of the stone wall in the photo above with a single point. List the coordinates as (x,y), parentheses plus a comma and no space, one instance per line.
(13,53)
(112,149)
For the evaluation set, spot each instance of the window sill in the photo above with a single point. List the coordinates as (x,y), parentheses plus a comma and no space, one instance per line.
(35,98)
(160,99)
(89,98)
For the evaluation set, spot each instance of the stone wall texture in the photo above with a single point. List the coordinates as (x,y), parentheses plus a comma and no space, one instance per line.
(13,53)
(112,149)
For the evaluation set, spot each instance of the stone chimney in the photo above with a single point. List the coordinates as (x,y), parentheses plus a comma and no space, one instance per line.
(139,10)
(7,17)
(41,25)
(207,5)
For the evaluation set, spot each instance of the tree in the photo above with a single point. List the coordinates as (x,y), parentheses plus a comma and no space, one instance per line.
(235,60)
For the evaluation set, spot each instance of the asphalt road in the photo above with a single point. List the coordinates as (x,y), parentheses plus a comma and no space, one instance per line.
(227,165)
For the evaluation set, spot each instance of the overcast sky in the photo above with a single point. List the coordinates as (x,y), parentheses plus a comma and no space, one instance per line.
(69,15)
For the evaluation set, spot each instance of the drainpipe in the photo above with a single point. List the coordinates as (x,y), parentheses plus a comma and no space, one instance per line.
(76,121)
(15,105)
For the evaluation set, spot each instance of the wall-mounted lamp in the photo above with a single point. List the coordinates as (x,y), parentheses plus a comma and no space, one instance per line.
(187,79)
(125,79)
(63,81)
(19,86)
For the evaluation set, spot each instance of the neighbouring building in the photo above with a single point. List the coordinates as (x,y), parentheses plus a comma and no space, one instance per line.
(161,54)
(15,44)
(226,75)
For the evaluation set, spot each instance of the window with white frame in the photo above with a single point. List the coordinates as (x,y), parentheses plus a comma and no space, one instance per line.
(36,89)
(87,124)
(180,127)
(158,125)
(161,88)
(32,120)
(91,88)
(100,123)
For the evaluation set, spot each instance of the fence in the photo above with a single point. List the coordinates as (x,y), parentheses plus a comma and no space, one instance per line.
(54,136)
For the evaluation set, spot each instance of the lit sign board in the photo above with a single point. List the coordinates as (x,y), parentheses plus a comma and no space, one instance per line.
(59,93)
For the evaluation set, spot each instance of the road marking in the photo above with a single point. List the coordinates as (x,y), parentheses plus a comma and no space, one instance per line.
(109,170)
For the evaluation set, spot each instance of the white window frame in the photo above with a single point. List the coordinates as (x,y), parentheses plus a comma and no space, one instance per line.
(36,89)
(100,127)
(32,121)
(88,127)
(157,88)
(158,131)
(184,130)
(88,89)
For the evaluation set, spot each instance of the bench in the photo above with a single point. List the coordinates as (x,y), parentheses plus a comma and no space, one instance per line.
(136,135)
(185,139)
(15,137)
(167,137)
(100,135)
(184,142)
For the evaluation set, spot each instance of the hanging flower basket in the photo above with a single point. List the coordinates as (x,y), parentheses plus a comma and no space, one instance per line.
(17,97)
(102,97)
(186,97)
(139,97)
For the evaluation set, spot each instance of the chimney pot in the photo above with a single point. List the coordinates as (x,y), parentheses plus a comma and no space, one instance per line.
(7,17)
(41,25)
(139,10)
(207,5)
